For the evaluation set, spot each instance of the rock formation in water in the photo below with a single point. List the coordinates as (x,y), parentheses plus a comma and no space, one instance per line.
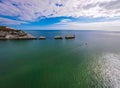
(70,37)
(58,37)
(9,33)
(42,38)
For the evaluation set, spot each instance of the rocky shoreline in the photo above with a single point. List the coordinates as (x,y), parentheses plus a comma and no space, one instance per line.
(7,33)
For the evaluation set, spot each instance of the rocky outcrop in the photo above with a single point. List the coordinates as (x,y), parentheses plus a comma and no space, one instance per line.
(70,37)
(9,33)
(42,38)
(58,37)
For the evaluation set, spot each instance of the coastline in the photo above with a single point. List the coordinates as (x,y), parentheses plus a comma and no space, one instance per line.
(7,33)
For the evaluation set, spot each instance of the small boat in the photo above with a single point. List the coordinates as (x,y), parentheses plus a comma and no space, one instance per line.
(70,37)
(42,37)
(58,37)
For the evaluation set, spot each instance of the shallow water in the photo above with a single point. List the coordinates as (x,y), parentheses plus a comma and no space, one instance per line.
(92,60)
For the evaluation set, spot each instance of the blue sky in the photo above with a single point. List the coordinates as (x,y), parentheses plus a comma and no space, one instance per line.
(61,14)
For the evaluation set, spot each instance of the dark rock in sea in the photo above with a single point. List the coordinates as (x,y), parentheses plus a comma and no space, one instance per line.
(58,37)
(9,33)
(42,38)
(70,37)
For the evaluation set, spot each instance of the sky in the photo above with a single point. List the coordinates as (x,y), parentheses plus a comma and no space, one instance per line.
(61,14)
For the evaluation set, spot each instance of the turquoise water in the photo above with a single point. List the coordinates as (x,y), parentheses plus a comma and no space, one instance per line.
(92,60)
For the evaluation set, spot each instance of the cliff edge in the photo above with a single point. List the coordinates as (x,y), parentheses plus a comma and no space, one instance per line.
(9,33)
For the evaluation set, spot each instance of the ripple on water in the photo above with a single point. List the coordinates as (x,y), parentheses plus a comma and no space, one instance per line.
(107,70)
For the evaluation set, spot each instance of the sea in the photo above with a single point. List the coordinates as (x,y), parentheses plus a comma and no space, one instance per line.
(91,60)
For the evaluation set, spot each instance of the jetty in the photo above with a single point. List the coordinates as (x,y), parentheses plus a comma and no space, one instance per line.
(42,38)
(58,37)
(70,37)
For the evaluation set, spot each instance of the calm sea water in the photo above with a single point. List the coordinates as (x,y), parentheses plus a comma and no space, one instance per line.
(92,60)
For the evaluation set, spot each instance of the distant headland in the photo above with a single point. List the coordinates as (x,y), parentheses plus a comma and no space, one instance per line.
(10,33)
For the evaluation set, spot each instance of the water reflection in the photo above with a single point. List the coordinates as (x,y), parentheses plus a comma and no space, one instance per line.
(107,70)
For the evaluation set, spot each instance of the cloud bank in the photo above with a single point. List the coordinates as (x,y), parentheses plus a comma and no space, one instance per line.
(10,22)
(25,11)
(31,10)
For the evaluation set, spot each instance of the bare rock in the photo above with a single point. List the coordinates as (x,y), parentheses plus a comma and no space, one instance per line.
(9,33)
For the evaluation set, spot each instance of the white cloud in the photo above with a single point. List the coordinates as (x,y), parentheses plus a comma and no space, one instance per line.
(64,21)
(110,26)
(5,21)
(32,10)
(69,25)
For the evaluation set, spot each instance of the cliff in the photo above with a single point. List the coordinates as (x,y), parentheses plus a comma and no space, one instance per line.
(9,33)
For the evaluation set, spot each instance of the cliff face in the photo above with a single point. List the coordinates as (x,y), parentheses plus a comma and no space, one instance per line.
(9,33)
